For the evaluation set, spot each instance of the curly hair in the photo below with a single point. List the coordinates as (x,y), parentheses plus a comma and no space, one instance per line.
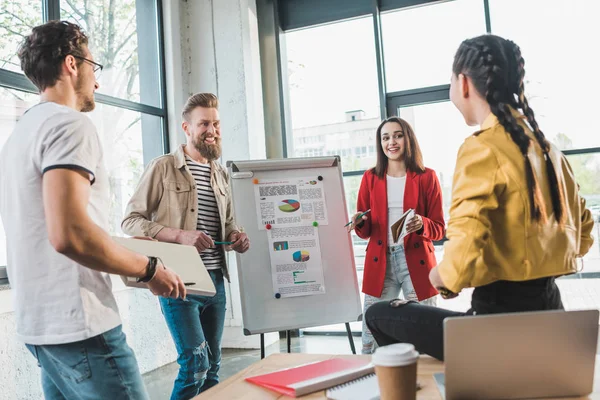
(43,51)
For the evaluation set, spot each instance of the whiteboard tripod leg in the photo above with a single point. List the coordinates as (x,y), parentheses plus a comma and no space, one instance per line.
(289,341)
(350,338)
(262,346)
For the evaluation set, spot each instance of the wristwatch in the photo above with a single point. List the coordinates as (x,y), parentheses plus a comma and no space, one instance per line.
(150,270)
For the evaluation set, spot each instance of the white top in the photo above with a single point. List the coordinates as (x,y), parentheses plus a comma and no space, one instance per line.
(56,300)
(395,198)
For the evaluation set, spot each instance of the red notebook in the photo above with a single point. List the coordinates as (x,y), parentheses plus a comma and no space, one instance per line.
(313,377)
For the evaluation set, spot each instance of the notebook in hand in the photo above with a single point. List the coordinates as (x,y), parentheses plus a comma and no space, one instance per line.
(313,377)
(399,227)
(184,260)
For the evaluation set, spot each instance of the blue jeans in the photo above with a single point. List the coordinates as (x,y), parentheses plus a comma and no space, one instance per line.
(101,367)
(196,326)
(397,278)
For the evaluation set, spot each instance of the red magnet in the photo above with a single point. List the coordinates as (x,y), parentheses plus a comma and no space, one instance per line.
(268,226)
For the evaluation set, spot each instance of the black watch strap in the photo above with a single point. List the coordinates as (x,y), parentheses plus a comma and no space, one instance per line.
(150,270)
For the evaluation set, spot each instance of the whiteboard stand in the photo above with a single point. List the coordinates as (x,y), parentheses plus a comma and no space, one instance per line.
(289,341)
(262,310)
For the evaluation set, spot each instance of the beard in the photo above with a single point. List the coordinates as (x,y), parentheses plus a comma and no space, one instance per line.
(85,102)
(209,151)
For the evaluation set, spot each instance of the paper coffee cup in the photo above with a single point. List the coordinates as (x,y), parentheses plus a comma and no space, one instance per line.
(396,370)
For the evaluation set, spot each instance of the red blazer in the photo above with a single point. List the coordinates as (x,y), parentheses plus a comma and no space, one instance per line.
(423,194)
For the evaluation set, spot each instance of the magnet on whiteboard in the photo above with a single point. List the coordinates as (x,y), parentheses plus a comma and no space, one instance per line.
(255,181)
(242,175)
(315,224)
(320,178)
(277,295)
(268,226)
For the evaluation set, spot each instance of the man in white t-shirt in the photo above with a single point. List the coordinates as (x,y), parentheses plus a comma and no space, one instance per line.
(54,206)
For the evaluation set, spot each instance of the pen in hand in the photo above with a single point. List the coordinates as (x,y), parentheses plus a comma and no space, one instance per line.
(358,218)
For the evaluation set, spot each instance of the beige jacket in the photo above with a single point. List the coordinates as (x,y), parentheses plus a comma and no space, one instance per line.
(491,235)
(166,197)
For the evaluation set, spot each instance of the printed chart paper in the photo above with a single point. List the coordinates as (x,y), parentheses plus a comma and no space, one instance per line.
(290,202)
(296,261)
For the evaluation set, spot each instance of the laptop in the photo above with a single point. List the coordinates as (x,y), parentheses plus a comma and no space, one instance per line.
(184,260)
(521,355)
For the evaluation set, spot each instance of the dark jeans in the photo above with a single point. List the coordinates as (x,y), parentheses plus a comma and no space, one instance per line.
(423,326)
(101,367)
(196,326)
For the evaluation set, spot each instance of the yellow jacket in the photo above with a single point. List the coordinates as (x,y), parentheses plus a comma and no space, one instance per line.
(491,235)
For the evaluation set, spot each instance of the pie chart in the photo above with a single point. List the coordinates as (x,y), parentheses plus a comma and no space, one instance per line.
(301,256)
(289,205)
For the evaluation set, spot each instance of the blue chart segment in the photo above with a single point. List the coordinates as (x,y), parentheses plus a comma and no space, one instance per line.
(301,256)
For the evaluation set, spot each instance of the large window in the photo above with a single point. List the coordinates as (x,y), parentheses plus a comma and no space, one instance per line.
(558,40)
(419,43)
(333,92)
(129,115)
(16,20)
(338,68)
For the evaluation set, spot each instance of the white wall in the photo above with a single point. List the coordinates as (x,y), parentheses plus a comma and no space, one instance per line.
(211,46)
(215,49)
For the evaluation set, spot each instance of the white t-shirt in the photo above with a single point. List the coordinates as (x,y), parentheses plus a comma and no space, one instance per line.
(56,300)
(395,198)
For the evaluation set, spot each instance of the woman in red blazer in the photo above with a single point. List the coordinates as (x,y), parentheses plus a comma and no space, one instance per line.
(398,183)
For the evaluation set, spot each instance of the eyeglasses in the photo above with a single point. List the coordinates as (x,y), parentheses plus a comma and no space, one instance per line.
(97,67)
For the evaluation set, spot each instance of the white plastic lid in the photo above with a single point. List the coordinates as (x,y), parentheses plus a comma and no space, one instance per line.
(395,355)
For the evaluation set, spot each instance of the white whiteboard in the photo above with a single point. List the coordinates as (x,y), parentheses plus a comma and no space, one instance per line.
(261,311)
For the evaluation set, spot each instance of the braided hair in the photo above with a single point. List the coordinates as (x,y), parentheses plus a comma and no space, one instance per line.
(497,70)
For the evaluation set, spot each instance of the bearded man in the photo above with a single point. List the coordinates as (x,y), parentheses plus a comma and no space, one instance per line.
(184,197)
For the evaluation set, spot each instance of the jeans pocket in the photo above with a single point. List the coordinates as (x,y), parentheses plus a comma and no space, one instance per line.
(71,361)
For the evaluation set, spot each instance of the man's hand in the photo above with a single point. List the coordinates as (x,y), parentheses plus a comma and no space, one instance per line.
(240,240)
(198,239)
(166,283)
(145,238)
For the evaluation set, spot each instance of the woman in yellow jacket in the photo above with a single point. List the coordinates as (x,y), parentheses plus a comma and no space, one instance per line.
(516,220)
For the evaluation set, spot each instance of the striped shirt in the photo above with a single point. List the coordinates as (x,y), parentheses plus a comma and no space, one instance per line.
(208,213)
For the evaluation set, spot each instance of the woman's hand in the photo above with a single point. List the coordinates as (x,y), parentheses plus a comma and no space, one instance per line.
(356,220)
(415,224)
(436,282)
(445,293)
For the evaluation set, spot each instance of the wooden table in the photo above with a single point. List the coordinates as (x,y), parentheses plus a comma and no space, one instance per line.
(237,388)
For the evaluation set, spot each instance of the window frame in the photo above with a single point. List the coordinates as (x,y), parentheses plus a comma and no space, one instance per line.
(155,143)
(389,101)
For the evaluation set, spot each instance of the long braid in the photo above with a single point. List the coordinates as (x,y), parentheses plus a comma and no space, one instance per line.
(495,84)
(556,190)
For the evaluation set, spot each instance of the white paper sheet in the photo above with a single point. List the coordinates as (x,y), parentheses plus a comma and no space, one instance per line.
(296,261)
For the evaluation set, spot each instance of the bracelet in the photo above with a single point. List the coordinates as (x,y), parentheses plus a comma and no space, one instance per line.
(150,270)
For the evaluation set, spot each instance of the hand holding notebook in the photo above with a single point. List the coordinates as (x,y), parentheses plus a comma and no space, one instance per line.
(399,228)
